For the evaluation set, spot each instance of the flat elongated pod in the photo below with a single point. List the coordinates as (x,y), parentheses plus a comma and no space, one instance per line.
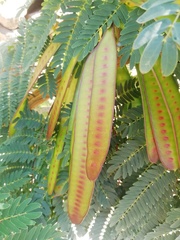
(80,187)
(162,96)
(55,162)
(102,104)
(48,53)
(150,141)
(133,3)
(17,114)
(171,95)
(54,114)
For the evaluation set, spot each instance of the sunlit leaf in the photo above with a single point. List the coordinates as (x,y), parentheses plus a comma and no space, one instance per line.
(151,54)
(169,57)
(158,11)
(176,32)
(150,32)
(153,3)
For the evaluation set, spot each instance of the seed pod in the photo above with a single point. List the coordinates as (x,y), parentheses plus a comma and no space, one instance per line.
(150,141)
(17,114)
(163,101)
(80,187)
(46,56)
(54,114)
(171,97)
(102,104)
(133,3)
(55,162)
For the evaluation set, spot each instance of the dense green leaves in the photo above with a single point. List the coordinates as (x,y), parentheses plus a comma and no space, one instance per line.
(129,158)
(47,85)
(19,215)
(132,123)
(170,229)
(127,92)
(37,232)
(132,199)
(35,34)
(102,17)
(75,15)
(153,185)
(128,35)
(14,180)
(16,152)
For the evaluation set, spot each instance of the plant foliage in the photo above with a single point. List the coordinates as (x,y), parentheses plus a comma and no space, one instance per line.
(133,199)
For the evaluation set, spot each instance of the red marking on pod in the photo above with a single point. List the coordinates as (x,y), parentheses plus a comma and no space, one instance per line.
(104,74)
(101,107)
(93,165)
(97,144)
(80,186)
(101,114)
(77,204)
(82,176)
(168,152)
(165,138)
(96,152)
(161,118)
(99,129)
(163,131)
(104,81)
(98,136)
(102,91)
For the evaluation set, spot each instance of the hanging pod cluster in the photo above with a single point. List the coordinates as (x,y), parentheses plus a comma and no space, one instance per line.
(161,106)
(92,125)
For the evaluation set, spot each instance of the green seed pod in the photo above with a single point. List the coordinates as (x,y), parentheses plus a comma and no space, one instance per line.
(163,101)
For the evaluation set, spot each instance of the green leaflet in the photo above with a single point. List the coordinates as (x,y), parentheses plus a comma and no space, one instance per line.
(18,215)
